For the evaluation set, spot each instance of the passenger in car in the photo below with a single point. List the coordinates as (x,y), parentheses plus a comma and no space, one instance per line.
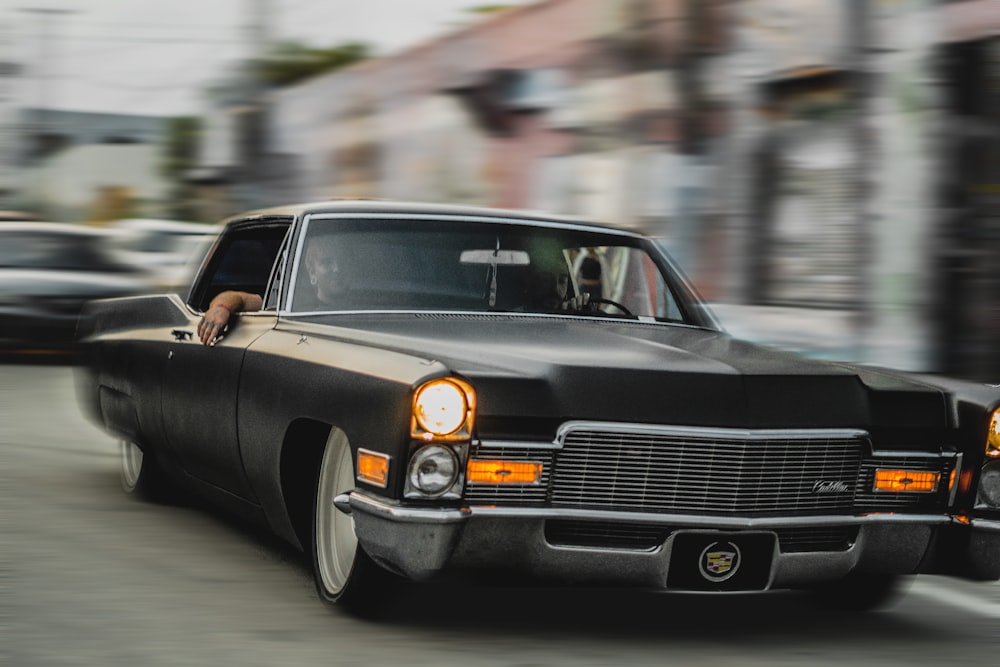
(322,267)
(221,309)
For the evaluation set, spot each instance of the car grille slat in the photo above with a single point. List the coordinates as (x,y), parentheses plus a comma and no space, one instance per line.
(664,472)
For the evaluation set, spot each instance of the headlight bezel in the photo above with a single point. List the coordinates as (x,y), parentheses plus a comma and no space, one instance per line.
(988,493)
(435,453)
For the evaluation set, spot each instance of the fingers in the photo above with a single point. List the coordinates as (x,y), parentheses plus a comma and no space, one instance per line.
(211,326)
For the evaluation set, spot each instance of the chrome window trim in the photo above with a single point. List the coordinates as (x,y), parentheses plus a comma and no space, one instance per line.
(472,217)
(284,305)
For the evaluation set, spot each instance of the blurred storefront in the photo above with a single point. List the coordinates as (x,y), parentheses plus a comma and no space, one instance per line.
(64,164)
(966,307)
(790,152)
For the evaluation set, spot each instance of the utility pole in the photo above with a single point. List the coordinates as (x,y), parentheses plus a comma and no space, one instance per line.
(9,71)
(254,132)
(858,18)
(40,127)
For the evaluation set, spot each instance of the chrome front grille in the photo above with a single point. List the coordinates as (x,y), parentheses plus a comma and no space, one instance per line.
(706,471)
(679,470)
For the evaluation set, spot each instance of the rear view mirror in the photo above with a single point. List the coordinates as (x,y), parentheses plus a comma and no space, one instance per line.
(495,257)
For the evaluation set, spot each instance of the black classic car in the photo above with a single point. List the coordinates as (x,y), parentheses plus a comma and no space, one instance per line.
(458,403)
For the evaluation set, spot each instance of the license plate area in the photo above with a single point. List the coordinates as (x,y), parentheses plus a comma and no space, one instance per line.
(720,562)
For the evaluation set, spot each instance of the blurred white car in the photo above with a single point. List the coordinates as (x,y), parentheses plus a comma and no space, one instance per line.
(48,271)
(168,251)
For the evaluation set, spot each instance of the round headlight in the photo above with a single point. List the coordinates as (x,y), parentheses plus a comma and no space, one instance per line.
(433,470)
(989,484)
(440,407)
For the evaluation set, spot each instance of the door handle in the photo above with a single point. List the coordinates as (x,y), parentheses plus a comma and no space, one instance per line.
(181,334)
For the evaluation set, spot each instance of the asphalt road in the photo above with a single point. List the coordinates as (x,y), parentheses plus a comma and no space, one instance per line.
(90,577)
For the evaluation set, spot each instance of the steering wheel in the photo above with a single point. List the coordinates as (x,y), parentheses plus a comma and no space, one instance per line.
(625,311)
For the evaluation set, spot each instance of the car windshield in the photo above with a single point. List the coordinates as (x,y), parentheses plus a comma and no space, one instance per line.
(353,264)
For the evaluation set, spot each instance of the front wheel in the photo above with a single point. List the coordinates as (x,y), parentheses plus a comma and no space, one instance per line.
(344,574)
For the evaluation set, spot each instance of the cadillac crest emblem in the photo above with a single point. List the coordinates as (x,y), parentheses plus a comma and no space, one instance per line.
(719,561)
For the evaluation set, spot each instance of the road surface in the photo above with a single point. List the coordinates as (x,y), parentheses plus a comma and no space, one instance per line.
(90,577)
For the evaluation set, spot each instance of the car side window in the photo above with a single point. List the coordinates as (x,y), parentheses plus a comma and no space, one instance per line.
(242,260)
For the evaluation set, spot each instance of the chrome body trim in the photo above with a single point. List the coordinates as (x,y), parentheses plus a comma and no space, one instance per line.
(986,525)
(709,432)
(514,444)
(959,460)
(364,503)
(419,542)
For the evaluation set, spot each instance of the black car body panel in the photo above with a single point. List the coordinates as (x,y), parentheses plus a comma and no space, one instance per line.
(651,433)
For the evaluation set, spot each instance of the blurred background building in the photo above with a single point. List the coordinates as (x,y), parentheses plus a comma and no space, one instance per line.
(827,171)
(93,167)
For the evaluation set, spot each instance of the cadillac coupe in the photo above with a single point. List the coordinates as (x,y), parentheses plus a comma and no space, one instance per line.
(491,389)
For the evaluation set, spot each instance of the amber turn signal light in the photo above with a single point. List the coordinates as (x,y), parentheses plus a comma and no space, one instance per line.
(906,481)
(503,472)
(373,467)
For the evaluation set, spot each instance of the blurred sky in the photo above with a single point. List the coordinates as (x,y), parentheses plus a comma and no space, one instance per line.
(156,56)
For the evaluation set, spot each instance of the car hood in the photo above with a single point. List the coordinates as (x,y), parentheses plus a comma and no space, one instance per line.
(575,368)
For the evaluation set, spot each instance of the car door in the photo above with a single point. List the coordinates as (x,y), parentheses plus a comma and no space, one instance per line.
(200,383)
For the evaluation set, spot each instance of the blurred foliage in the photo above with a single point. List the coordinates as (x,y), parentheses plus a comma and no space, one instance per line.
(180,155)
(113,202)
(181,148)
(489,9)
(290,62)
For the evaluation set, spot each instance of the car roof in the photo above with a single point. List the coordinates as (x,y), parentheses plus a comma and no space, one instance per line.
(165,226)
(64,228)
(368,206)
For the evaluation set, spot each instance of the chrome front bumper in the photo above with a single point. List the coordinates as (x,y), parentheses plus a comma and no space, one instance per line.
(420,542)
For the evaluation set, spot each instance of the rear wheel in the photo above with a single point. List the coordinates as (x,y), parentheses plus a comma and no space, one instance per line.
(140,476)
(344,574)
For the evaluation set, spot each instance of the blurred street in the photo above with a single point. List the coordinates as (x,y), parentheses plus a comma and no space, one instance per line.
(91,577)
